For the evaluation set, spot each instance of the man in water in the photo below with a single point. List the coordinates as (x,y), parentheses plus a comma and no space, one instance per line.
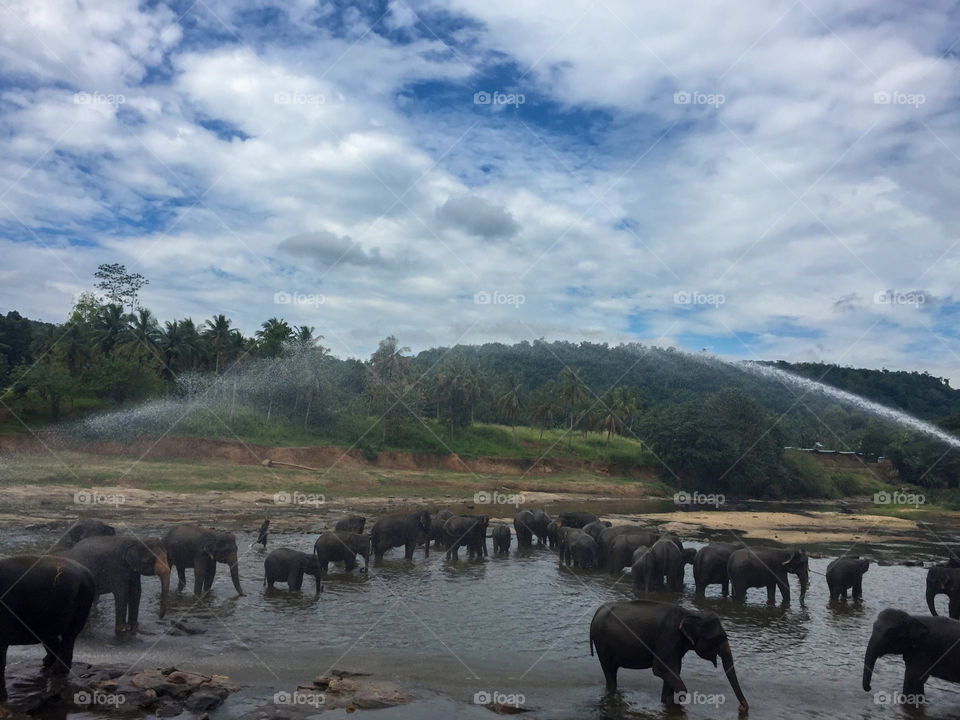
(262,536)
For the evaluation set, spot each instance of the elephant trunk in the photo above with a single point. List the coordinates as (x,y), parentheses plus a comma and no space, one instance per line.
(931,596)
(235,572)
(873,652)
(726,657)
(804,578)
(162,570)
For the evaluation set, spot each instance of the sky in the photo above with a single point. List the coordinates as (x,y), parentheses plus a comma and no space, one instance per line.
(775,180)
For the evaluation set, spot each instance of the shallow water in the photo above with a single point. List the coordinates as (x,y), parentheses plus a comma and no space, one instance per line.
(517,624)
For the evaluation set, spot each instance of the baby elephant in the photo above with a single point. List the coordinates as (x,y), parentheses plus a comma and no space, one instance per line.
(289,566)
(351,523)
(845,573)
(501,539)
(341,547)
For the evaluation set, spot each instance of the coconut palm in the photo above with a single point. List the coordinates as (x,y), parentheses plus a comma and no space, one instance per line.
(510,406)
(109,327)
(143,334)
(572,394)
(217,333)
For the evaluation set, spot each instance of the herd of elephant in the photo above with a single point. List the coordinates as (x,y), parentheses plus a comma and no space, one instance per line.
(46,599)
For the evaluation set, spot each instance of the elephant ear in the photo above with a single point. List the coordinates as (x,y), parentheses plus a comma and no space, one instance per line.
(131,557)
(689,628)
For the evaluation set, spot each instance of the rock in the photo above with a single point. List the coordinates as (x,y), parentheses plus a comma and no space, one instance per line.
(204,700)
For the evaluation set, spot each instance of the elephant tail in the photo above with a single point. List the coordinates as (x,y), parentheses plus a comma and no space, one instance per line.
(591,647)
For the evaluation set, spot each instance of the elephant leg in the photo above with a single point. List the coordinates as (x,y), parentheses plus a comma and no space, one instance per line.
(953,609)
(209,572)
(199,574)
(297,581)
(120,599)
(52,646)
(3,672)
(672,684)
(408,549)
(771,593)
(609,668)
(858,589)
(784,585)
(915,677)
(133,604)
(64,655)
(725,587)
(181,578)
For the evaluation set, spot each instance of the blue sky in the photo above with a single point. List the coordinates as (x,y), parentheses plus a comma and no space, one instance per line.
(776,183)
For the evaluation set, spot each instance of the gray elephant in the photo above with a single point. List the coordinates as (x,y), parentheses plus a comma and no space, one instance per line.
(689,555)
(523,523)
(469,531)
(396,530)
(642,571)
(341,547)
(930,647)
(767,567)
(666,563)
(576,519)
(552,529)
(436,527)
(191,546)
(943,580)
(644,634)
(579,550)
(351,523)
(117,562)
(289,566)
(80,530)
(595,528)
(609,535)
(619,553)
(541,521)
(844,574)
(710,567)
(501,536)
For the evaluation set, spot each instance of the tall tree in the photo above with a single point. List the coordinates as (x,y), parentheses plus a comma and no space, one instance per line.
(120,286)
(572,394)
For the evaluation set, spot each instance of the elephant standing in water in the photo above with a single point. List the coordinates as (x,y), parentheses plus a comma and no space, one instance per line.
(662,565)
(396,530)
(541,521)
(930,647)
(191,546)
(80,530)
(576,519)
(945,581)
(341,547)
(469,530)
(501,539)
(436,527)
(45,600)
(523,523)
(644,634)
(117,562)
(289,566)
(710,567)
(767,567)
(844,574)
(351,523)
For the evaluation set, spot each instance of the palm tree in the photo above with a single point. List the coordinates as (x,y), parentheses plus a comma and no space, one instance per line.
(544,408)
(109,326)
(510,406)
(572,393)
(458,390)
(273,335)
(619,407)
(143,335)
(217,332)
(304,338)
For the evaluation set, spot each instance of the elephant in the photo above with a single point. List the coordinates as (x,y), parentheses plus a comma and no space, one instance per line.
(609,535)
(641,570)
(46,600)
(116,563)
(767,567)
(351,523)
(342,547)
(689,555)
(930,646)
(523,523)
(552,530)
(289,566)
(80,530)
(642,634)
(595,528)
(501,539)
(579,550)
(619,553)
(395,530)
(576,519)
(563,534)
(845,573)
(468,530)
(541,520)
(710,567)
(191,546)
(946,581)
(436,527)
(953,556)
(666,564)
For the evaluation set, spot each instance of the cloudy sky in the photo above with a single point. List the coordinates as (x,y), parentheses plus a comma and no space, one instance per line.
(772,180)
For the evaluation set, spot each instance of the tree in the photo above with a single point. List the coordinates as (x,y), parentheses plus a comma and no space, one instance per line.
(218,333)
(544,406)
(572,394)
(143,337)
(458,391)
(619,405)
(119,286)
(510,405)
(109,326)
(390,374)
(273,336)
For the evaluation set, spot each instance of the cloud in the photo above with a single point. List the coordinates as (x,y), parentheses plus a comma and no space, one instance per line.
(477,217)
(327,250)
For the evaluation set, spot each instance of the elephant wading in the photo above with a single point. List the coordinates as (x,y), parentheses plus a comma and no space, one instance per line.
(436,527)
(645,634)
(191,546)
(664,565)
(45,600)
(595,528)
(541,521)
(469,531)
(767,567)
(523,523)
(576,519)
(116,563)
(501,539)
(930,647)
(289,566)
(396,530)
(80,530)
(578,549)
(351,523)
(341,547)
(944,581)
(710,567)
(846,573)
